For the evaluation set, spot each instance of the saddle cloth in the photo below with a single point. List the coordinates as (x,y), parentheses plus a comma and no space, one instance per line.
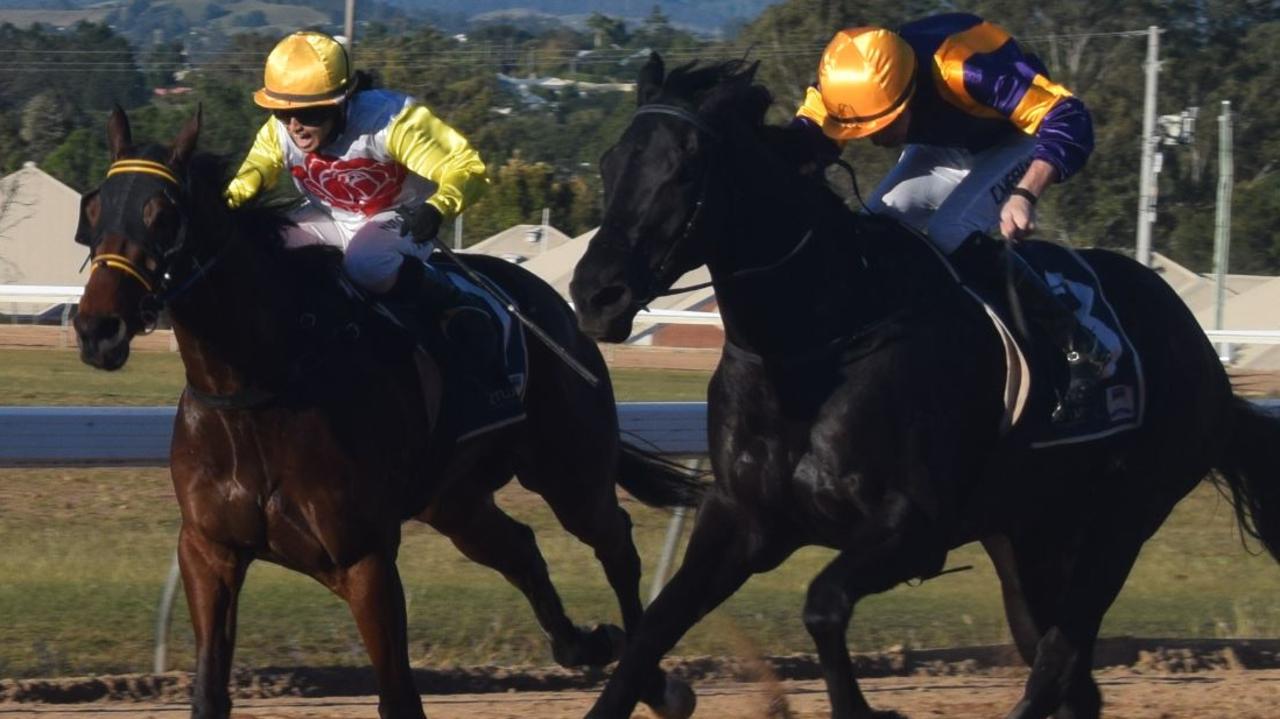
(1036,370)
(475,414)
(460,410)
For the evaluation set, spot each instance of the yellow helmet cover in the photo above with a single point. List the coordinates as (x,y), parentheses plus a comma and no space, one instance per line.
(866,76)
(306,69)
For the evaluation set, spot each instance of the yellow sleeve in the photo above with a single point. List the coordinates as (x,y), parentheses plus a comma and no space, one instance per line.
(426,146)
(260,169)
(813,108)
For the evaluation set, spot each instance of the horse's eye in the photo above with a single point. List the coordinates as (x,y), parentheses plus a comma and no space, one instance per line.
(159,217)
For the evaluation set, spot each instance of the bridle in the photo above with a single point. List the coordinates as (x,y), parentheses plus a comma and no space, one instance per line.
(157,283)
(669,256)
(118,262)
(664,265)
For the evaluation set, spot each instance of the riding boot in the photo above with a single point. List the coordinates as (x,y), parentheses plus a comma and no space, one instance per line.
(993,268)
(457,325)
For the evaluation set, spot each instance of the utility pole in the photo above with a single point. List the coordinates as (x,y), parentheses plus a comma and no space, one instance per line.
(1222,221)
(1147,180)
(457,232)
(349,25)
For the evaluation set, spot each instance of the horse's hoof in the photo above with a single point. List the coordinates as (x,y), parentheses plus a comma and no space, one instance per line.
(678,700)
(594,648)
(888,714)
(617,640)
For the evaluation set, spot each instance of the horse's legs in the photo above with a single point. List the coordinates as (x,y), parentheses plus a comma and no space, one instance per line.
(488,536)
(1027,590)
(587,506)
(1068,592)
(375,595)
(901,553)
(724,549)
(212,575)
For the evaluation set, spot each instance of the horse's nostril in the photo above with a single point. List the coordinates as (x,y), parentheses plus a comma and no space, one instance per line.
(608,296)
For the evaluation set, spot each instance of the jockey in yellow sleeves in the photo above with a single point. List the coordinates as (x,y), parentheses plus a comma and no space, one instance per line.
(985,131)
(380,173)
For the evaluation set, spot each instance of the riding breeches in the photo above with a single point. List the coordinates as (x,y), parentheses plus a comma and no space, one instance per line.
(949,193)
(373,248)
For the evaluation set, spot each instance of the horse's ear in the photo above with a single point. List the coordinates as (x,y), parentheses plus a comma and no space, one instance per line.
(649,84)
(185,144)
(119,137)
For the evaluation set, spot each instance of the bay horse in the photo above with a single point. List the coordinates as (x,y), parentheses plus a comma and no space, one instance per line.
(304,436)
(857,405)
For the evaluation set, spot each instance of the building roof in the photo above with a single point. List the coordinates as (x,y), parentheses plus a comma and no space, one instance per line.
(38,218)
(1250,304)
(556,267)
(521,243)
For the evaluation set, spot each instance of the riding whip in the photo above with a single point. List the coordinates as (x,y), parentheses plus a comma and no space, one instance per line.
(537,331)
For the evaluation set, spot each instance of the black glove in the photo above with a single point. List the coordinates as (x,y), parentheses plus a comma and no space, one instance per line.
(422,222)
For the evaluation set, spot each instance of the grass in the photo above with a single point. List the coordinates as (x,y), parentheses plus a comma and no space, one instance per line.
(86,552)
(58,377)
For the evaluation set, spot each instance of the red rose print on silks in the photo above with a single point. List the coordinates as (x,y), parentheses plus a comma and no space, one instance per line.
(357,185)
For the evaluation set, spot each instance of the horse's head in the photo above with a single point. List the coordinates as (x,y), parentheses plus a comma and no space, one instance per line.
(658,183)
(134,224)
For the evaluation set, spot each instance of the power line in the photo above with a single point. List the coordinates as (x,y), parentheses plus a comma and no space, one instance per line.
(788,45)
(475,56)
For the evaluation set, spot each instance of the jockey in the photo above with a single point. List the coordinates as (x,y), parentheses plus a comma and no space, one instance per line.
(380,174)
(986,132)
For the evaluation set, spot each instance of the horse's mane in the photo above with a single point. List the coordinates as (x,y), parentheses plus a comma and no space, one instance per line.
(694,81)
(781,162)
(260,222)
(727,94)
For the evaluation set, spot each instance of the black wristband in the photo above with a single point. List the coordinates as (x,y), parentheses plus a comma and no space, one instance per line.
(1025,194)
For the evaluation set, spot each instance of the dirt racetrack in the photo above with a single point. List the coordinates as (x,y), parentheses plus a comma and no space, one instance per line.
(1142,679)
(1242,694)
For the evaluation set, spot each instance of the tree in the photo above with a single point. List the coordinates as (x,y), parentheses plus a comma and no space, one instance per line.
(81,161)
(161,63)
(608,30)
(45,119)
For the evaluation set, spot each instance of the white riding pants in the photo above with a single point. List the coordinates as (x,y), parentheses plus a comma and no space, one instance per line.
(372,246)
(948,193)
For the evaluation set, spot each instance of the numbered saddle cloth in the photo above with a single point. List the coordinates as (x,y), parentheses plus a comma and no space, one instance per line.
(1037,371)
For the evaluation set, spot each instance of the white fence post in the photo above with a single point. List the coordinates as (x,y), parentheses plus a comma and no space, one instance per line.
(675,530)
(164,616)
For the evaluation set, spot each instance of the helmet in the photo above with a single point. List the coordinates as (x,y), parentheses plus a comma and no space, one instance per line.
(306,69)
(867,75)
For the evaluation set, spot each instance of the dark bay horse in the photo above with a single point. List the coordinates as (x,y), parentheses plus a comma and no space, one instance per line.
(858,403)
(305,437)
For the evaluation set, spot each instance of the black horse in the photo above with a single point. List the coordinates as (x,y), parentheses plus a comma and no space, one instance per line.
(857,404)
(307,433)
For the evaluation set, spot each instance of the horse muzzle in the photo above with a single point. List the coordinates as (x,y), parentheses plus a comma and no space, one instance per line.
(605,311)
(104,341)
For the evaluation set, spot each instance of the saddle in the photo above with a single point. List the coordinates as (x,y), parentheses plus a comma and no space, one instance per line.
(457,409)
(1036,369)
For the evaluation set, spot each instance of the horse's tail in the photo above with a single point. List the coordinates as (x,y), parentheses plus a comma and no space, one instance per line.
(1250,472)
(656,481)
